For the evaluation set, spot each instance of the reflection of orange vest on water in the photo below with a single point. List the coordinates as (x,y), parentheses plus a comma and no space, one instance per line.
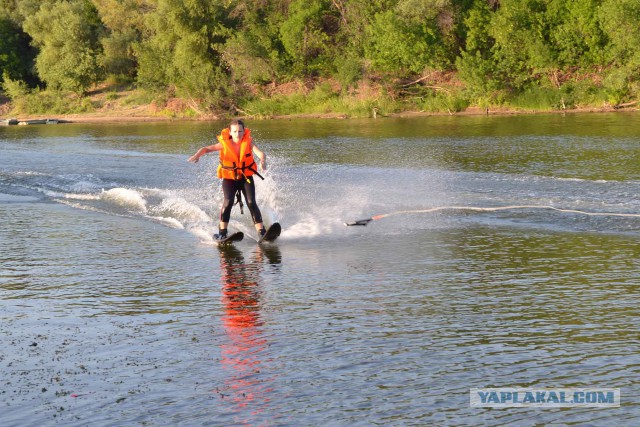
(234,165)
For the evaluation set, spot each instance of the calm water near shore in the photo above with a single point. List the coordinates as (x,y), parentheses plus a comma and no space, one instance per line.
(504,253)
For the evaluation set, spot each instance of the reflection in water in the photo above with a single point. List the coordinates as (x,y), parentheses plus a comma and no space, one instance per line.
(243,353)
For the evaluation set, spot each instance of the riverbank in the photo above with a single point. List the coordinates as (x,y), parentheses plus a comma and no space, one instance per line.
(145,114)
(114,105)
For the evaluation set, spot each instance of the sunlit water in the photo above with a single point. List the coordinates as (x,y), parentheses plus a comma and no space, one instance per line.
(118,308)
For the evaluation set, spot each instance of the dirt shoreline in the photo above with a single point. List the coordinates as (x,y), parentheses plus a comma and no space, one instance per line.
(128,116)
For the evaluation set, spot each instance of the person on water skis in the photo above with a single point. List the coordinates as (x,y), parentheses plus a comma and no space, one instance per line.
(236,169)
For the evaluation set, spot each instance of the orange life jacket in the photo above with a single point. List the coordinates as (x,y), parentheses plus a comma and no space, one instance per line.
(235,165)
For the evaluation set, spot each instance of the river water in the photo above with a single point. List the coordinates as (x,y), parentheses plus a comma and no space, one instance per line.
(504,253)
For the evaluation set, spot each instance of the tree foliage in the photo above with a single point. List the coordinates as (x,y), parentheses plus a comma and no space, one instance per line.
(183,49)
(305,35)
(124,27)
(214,51)
(412,36)
(16,54)
(67,35)
(254,52)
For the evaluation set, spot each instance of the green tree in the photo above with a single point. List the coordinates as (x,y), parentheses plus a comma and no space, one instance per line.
(575,34)
(18,10)
(124,22)
(254,52)
(444,26)
(412,36)
(477,22)
(476,65)
(184,49)
(621,23)
(305,36)
(16,54)
(620,20)
(67,35)
(521,48)
(394,46)
(350,41)
(6,8)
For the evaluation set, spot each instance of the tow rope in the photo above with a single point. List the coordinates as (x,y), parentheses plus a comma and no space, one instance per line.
(239,201)
(366,221)
(239,192)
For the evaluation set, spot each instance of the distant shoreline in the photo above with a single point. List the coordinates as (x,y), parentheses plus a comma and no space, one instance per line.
(125,117)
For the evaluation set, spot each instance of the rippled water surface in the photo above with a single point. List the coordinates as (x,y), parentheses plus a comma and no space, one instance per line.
(503,252)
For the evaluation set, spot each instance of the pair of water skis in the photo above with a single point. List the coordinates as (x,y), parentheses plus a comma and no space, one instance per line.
(272,234)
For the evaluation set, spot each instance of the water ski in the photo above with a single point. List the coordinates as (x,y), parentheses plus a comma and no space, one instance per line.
(363,222)
(234,237)
(272,233)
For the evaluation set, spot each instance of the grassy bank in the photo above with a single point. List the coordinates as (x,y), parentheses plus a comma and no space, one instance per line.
(311,99)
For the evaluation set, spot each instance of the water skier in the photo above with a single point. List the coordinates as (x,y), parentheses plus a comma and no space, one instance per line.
(237,166)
